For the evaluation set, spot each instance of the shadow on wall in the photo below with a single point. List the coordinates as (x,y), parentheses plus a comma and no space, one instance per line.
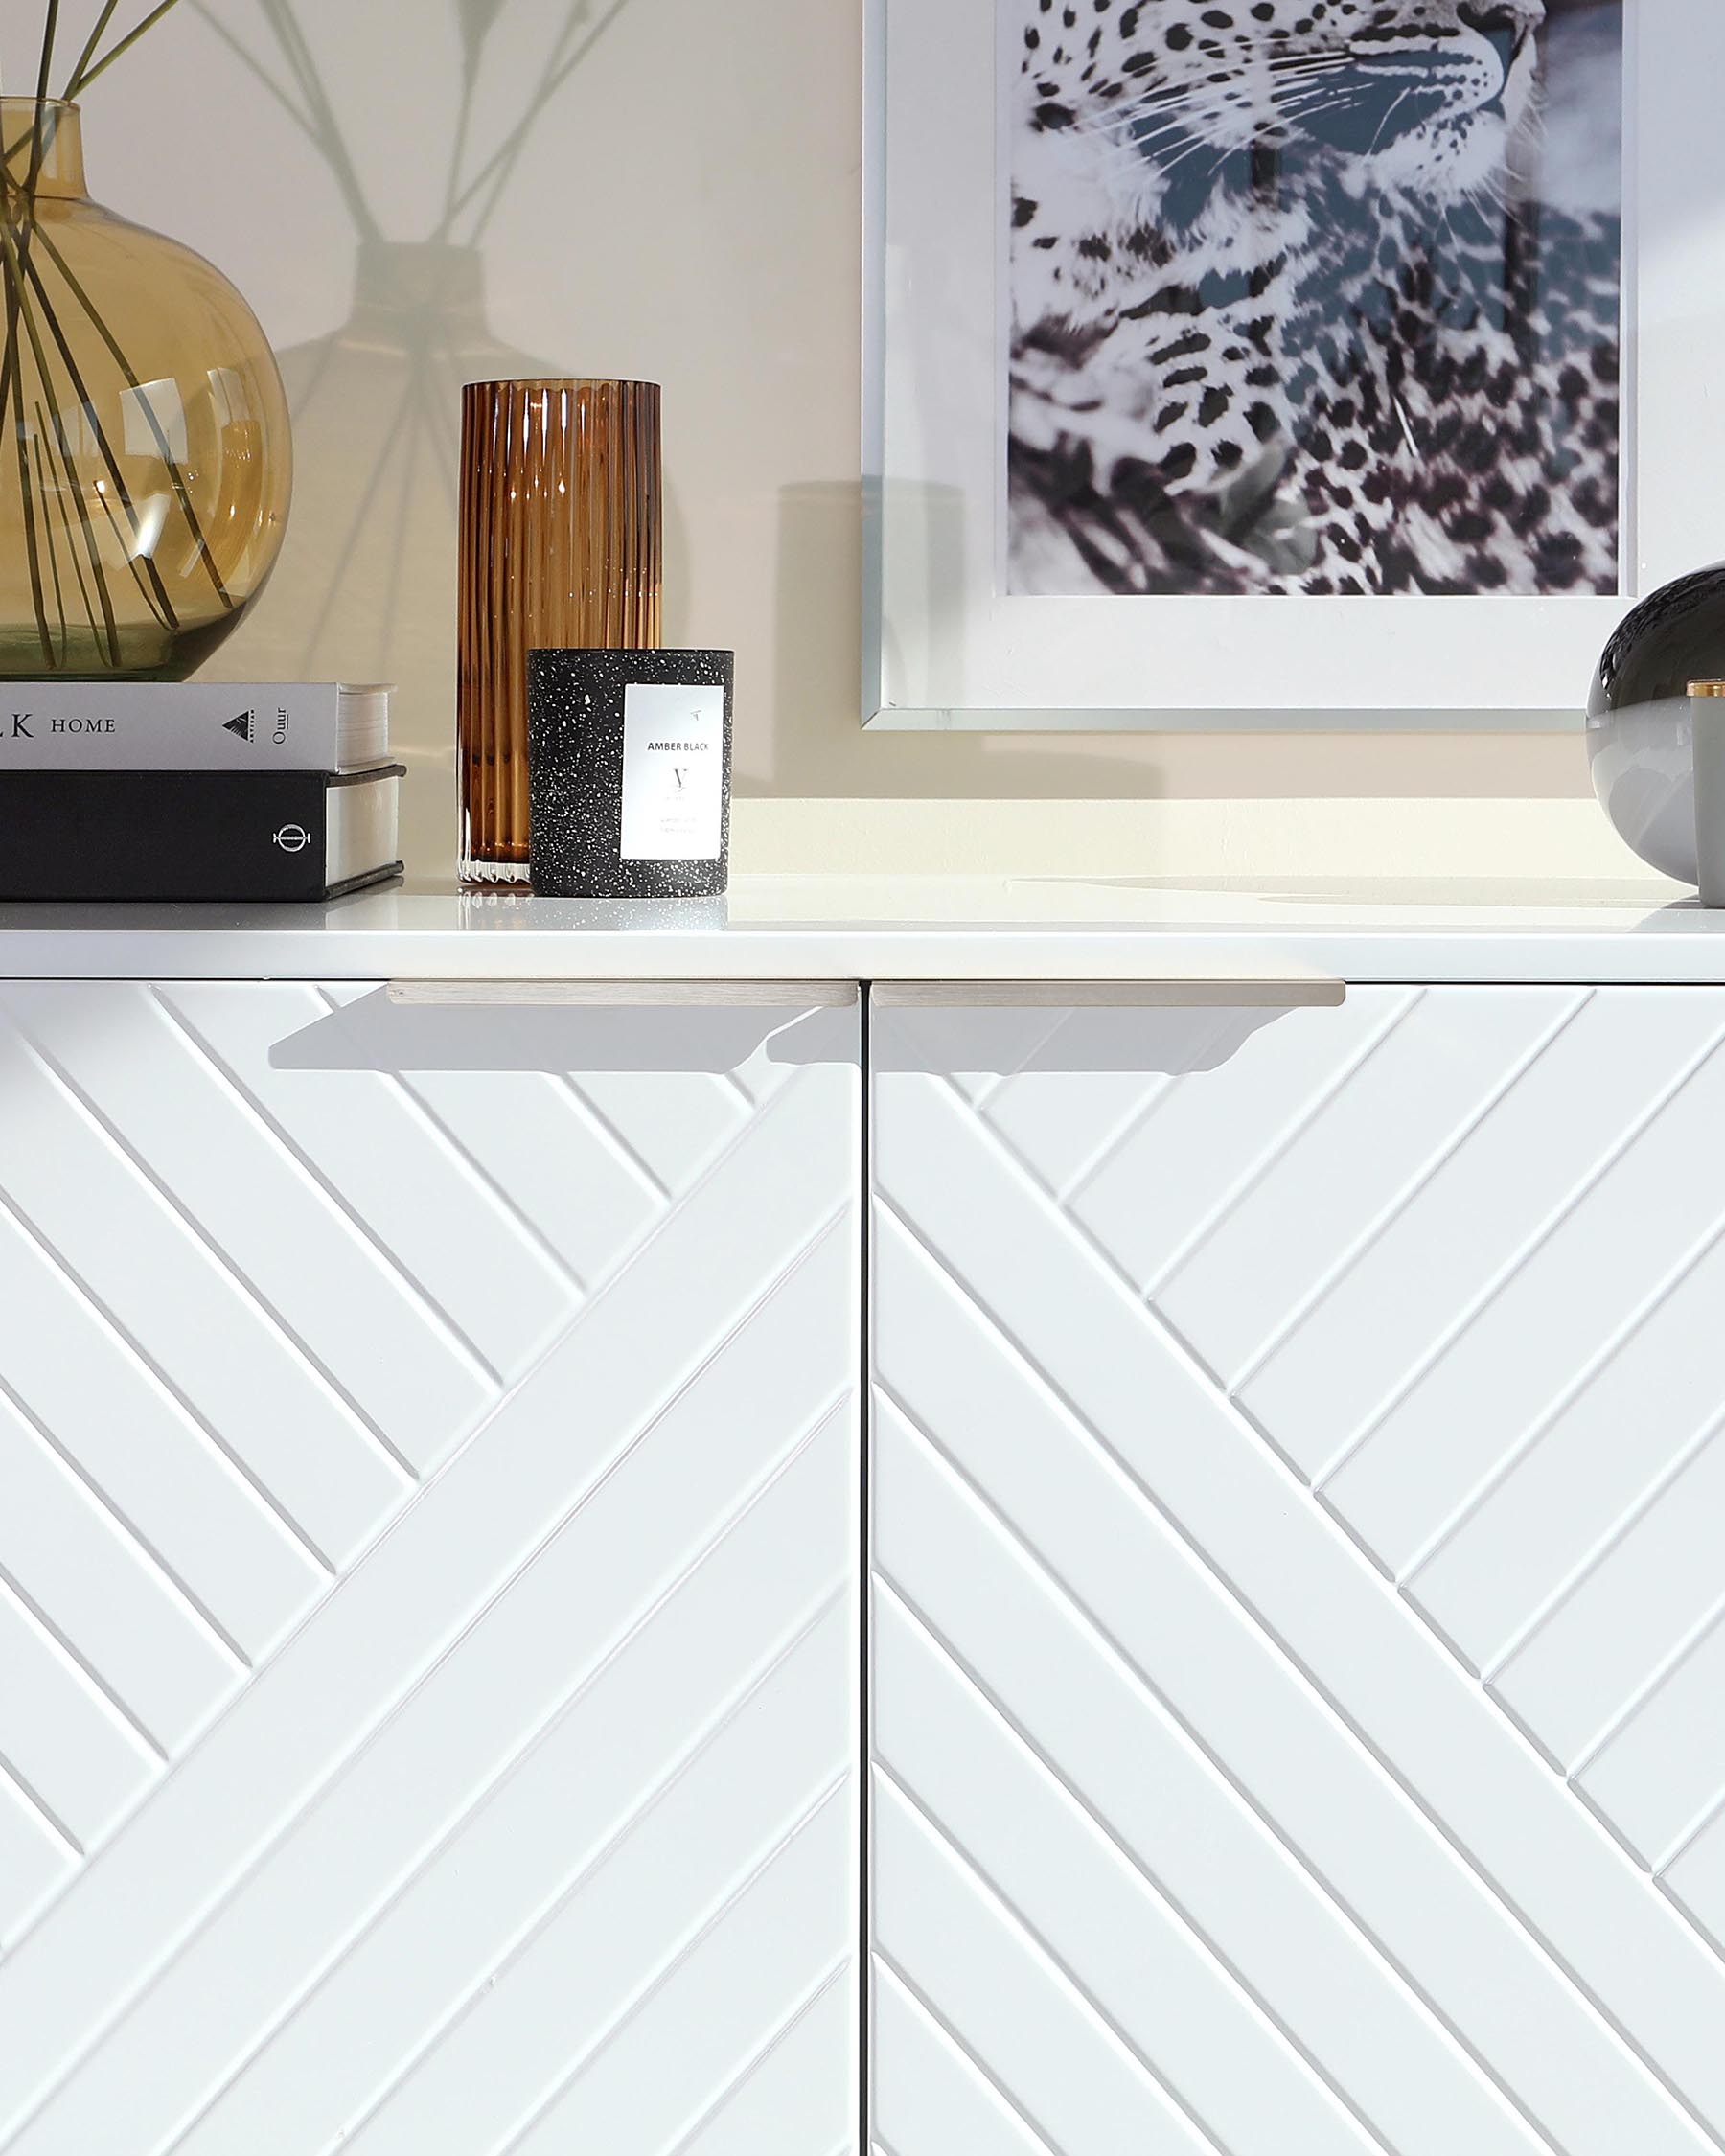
(745,221)
(819,748)
(365,588)
(820,529)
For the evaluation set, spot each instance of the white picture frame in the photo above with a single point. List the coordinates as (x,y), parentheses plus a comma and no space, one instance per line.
(947,647)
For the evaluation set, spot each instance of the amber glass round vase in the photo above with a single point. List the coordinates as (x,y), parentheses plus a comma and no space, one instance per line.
(561,548)
(144,456)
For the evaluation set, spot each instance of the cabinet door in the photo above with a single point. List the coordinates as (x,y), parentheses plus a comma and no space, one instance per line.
(1298,1606)
(427,1469)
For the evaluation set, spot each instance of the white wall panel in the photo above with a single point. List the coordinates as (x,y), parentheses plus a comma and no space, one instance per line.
(1204,1144)
(932,2095)
(1078,1894)
(1660,1583)
(1573,1488)
(1695,1879)
(1661,1771)
(384,1159)
(1311,1215)
(1636,1216)
(108,1226)
(1558,1114)
(1000,1996)
(64,1746)
(1144,1697)
(785,2092)
(114,1609)
(429,1709)
(164,1476)
(166,1110)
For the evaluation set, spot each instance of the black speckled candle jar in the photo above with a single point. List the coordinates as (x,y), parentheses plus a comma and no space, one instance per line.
(628,756)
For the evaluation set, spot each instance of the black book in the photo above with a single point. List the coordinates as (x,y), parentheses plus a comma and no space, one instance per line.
(239,836)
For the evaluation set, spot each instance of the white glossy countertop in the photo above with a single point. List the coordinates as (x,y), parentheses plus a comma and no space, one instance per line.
(902,928)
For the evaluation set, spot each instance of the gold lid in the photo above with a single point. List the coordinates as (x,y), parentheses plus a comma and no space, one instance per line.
(1707,688)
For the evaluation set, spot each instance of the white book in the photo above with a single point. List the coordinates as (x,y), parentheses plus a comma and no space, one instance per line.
(193,726)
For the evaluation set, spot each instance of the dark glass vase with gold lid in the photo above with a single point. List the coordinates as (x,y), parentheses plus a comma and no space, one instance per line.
(146,460)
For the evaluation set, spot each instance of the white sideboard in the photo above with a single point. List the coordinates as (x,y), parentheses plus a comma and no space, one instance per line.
(466,1686)
(1297,1560)
(429,1446)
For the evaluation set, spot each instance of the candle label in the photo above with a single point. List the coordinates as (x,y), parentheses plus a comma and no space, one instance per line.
(672,772)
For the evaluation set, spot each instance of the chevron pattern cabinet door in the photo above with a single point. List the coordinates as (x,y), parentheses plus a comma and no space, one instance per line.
(1297,1578)
(428,1470)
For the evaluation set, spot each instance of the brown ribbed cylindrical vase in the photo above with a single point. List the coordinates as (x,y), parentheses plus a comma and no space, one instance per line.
(562,547)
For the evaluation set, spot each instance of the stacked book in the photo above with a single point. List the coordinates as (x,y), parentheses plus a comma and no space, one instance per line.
(196,790)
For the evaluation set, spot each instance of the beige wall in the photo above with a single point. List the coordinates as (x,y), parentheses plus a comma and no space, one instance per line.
(684,206)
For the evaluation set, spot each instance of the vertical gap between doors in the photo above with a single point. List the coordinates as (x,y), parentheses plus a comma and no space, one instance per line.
(864,1593)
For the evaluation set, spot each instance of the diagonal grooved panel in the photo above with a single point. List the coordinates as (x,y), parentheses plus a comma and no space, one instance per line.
(546,1777)
(1179,1626)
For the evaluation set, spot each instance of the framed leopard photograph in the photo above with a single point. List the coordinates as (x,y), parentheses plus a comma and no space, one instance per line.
(1269,363)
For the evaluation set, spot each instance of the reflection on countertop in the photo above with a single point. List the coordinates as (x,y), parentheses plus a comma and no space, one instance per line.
(957,928)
